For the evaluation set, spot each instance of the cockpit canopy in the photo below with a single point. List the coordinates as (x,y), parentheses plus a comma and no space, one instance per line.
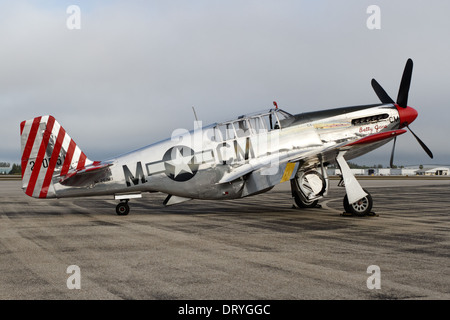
(250,124)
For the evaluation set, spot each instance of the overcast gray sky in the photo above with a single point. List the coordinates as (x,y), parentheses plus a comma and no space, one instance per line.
(132,73)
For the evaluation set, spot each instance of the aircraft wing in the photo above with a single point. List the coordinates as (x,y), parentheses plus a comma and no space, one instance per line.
(87,176)
(297,155)
(368,143)
(267,162)
(377,137)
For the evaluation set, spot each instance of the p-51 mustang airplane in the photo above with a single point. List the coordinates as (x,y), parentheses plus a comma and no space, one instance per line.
(228,160)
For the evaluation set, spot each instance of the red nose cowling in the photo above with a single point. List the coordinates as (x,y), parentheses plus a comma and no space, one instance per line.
(407,115)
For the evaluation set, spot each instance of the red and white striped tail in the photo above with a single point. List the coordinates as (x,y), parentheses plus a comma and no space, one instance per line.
(48,152)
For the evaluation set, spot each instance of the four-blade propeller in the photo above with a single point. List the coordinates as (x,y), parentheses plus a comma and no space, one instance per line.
(402,102)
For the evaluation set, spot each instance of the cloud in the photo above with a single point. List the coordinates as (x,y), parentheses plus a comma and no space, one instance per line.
(133,71)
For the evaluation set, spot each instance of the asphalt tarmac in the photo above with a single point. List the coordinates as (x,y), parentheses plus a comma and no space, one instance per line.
(253,248)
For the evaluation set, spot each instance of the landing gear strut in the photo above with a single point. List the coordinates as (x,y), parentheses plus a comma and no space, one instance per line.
(122,209)
(357,201)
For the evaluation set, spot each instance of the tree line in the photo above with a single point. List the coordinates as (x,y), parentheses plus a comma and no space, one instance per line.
(16,168)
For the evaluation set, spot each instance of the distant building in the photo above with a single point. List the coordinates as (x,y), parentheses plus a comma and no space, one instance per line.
(379,172)
(337,172)
(439,171)
(408,172)
(436,171)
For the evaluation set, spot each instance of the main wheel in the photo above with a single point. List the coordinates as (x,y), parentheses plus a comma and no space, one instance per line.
(299,199)
(122,209)
(360,208)
(302,204)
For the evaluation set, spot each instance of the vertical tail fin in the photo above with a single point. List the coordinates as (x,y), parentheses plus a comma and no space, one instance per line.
(47,152)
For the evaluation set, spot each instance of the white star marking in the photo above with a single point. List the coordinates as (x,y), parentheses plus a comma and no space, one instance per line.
(181,163)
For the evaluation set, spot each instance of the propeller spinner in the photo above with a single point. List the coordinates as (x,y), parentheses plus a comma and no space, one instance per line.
(407,114)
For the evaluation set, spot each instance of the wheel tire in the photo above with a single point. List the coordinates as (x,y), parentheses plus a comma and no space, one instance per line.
(302,204)
(122,209)
(360,208)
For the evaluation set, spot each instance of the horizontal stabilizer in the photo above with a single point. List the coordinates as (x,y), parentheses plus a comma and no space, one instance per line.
(87,176)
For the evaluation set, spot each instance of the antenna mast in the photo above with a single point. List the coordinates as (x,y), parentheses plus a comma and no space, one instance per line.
(195,114)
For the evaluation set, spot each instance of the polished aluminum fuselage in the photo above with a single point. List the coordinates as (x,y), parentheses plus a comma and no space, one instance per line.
(196,164)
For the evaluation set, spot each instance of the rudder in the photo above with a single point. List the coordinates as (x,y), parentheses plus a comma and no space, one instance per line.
(47,152)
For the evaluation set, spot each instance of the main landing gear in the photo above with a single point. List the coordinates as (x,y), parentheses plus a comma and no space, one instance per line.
(360,208)
(309,186)
(357,201)
(302,192)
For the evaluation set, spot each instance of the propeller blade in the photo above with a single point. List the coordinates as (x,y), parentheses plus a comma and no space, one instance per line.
(391,163)
(402,98)
(428,151)
(382,95)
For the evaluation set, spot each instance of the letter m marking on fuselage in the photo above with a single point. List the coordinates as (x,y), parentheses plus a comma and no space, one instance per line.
(129,178)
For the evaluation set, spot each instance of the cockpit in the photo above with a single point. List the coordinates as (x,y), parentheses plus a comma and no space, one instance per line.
(250,124)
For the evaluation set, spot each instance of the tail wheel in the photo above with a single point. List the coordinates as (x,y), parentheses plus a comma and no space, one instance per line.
(360,208)
(122,209)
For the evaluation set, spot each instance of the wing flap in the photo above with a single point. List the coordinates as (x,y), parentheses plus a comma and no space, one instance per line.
(268,163)
(296,155)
